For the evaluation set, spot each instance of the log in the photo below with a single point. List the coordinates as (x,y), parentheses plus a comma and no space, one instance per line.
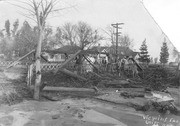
(16,62)
(44,58)
(65,71)
(48,88)
(67,61)
(137,64)
(49,97)
(96,74)
(30,74)
(87,59)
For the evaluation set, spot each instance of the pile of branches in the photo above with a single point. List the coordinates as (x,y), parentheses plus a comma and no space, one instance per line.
(13,92)
(158,78)
(61,80)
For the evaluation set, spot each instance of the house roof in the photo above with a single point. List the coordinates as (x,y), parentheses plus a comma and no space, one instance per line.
(95,48)
(122,51)
(71,50)
(65,49)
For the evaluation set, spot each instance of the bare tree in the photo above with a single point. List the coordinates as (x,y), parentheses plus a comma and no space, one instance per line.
(86,36)
(125,41)
(80,34)
(69,33)
(109,31)
(38,11)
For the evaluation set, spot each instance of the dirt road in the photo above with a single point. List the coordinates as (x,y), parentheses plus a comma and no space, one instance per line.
(78,112)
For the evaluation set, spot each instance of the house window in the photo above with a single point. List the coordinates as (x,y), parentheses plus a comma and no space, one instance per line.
(63,56)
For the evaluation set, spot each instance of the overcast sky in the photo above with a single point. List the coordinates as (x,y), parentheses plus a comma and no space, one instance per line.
(167,14)
(101,13)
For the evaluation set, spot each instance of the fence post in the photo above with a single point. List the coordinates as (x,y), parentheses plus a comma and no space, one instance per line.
(30,74)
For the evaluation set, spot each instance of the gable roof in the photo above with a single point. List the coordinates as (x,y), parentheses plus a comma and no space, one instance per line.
(101,48)
(68,49)
(65,49)
(122,51)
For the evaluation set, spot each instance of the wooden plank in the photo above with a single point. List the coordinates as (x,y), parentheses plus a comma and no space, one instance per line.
(44,58)
(17,61)
(65,71)
(30,74)
(87,59)
(67,61)
(96,74)
(137,64)
(48,88)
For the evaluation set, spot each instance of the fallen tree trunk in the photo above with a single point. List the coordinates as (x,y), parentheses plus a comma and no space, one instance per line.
(48,88)
(67,61)
(17,61)
(65,71)
(137,64)
(87,59)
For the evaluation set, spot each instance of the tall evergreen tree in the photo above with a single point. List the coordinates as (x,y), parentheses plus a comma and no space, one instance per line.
(144,57)
(164,54)
(15,27)
(7,27)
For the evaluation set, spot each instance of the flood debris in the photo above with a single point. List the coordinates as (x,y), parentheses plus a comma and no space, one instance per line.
(162,102)
(131,95)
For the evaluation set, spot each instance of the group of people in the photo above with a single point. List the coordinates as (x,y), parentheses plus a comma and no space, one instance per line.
(126,64)
(123,65)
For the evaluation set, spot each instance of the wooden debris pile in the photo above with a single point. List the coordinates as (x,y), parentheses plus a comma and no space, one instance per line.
(161,102)
(158,78)
(13,92)
(126,94)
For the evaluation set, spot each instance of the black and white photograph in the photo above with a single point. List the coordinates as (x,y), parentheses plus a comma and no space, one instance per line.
(89,63)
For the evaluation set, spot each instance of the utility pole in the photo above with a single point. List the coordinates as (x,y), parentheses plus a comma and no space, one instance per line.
(116,26)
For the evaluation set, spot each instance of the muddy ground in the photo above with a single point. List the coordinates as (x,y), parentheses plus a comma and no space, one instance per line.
(107,108)
(82,109)
(79,112)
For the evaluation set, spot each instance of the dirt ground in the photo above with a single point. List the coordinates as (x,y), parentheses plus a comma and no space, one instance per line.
(78,112)
(83,110)
(67,112)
